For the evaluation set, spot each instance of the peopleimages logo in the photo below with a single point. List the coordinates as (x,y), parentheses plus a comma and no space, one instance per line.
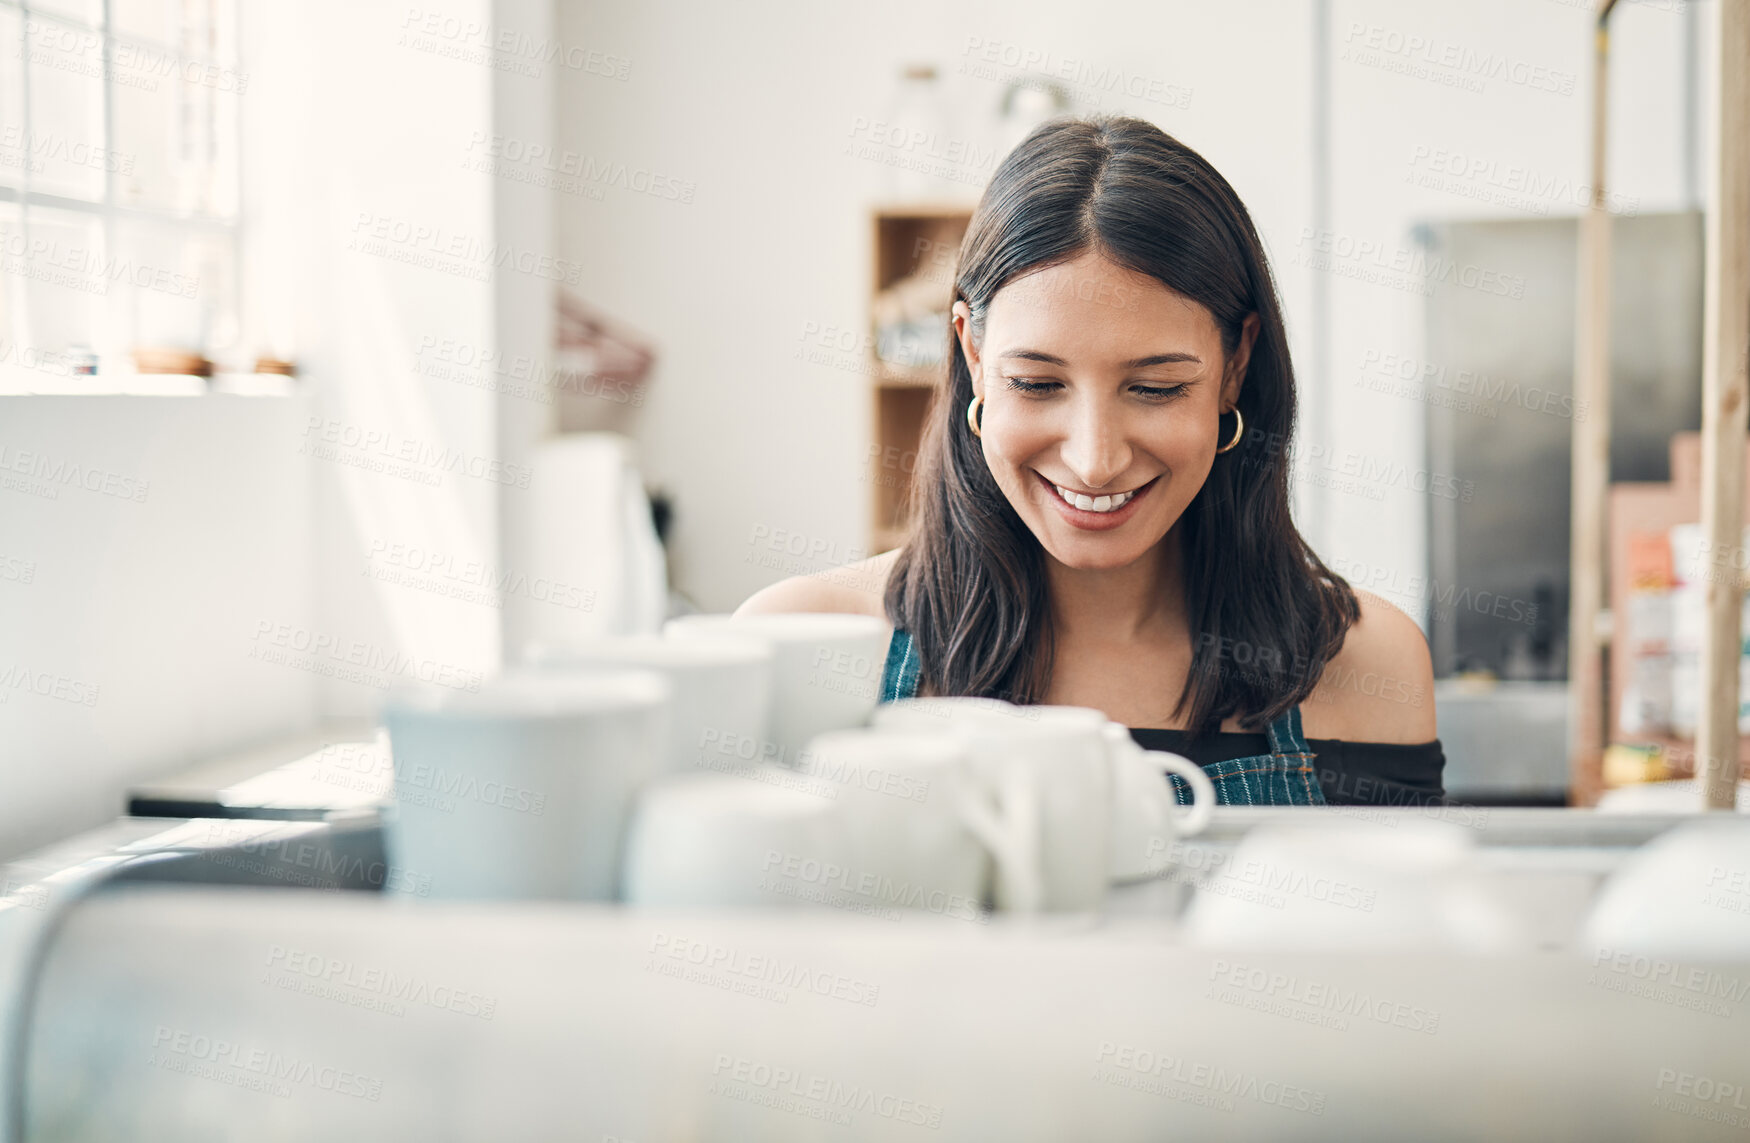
(352,660)
(469,579)
(45,145)
(284,859)
(1447,63)
(1186,859)
(1201,1083)
(574,171)
(218,1059)
(710,963)
(828,883)
(427,785)
(1006,61)
(368,986)
(1701,1097)
(1398,267)
(86,268)
(362,446)
(53,474)
(1470,383)
(1680,985)
(505,49)
(46,684)
(121,62)
(435,248)
(1312,1001)
(820,1096)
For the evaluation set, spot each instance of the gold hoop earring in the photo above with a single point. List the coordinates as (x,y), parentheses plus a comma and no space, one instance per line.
(1239,427)
(972,412)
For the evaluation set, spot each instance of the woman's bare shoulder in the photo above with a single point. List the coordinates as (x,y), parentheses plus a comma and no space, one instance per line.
(1380,686)
(857,588)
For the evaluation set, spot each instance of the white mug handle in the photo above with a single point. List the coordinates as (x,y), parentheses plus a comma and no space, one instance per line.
(1202,806)
(1011,835)
(1162,807)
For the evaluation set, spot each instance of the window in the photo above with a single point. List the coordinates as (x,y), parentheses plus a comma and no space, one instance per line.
(118,184)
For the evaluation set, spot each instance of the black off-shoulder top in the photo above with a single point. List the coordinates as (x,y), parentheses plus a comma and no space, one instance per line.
(1349,773)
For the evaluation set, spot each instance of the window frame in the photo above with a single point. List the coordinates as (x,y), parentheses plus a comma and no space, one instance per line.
(110,213)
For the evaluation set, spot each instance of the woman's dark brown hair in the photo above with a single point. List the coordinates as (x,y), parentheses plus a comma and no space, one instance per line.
(1266,615)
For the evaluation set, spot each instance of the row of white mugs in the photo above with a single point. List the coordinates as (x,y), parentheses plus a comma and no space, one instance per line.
(744,762)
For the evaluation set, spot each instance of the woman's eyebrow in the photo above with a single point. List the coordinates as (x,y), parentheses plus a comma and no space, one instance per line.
(1137,363)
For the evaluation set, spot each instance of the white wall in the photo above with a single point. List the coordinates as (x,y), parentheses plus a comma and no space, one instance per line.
(150,548)
(1404,120)
(758,105)
(370,264)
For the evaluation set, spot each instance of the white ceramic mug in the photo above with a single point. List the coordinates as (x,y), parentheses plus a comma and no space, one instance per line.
(523,789)
(1684,896)
(1049,787)
(826,670)
(711,841)
(904,800)
(1040,816)
(720,691)
(1336,883)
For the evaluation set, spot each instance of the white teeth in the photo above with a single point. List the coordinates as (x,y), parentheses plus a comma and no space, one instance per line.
(1094,503)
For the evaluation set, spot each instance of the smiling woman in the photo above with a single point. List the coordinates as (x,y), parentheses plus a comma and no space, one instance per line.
(1101,503)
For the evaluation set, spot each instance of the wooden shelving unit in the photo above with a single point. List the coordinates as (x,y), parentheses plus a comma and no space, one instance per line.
(908,240)
(1638,509)
(1717,754)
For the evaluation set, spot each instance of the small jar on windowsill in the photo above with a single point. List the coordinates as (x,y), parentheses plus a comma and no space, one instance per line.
(164,359)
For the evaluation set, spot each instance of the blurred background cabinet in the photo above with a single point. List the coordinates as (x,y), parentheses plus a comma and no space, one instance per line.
(916,248)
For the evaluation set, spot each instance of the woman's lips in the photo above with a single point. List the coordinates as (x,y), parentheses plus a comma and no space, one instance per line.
(1094,521)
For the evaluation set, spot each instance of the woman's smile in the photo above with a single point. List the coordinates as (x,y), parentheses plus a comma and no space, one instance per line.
(1100,513)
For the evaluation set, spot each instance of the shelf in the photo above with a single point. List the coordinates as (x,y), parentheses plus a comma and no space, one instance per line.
(910,241)
(1679,753)
(16,382)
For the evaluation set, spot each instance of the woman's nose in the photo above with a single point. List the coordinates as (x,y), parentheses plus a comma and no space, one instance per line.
(1096,448)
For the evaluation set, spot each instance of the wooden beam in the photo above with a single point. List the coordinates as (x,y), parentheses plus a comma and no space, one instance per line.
(1591,457)
(1726,333)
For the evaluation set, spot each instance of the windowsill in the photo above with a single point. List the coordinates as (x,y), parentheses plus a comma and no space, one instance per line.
(27,383)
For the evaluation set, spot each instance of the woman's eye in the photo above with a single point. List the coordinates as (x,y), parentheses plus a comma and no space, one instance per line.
(1038,388)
